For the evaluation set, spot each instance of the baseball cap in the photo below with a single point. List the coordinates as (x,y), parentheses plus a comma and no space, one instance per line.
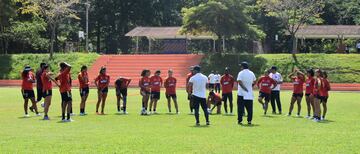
(27,68)
(244,64)
(197,68)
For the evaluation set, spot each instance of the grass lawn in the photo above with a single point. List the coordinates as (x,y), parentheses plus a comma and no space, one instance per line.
(165,133)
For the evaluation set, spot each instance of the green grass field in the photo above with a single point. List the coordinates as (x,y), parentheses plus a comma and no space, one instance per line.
(166,133)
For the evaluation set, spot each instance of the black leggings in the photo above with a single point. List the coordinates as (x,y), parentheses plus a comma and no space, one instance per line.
(275,96)
(229,97)
(197,103)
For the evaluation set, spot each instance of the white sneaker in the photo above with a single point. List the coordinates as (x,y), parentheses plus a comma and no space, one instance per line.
(39,114)
(82,114)
(231,113)
(177,113)
(72,114)
(26,115)
(316,120)
(307,117)
(64,120)
(70,120)
(322,119)
(288,115)
(125,112)
(297,115)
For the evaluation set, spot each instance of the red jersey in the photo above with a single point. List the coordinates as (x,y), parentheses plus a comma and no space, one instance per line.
(189,75)
(144,84)
(102,81)
(65,80)
(170,85)
(156,82)
(309,85)
(298,83)
(227,83)
(122,83)
(216,97)
(316,86)
(325,88)
(26,83)
(265,83)
(83,80)
(46,82)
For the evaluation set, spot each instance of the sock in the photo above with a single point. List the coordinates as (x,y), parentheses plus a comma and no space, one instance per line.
(63,116)
(118,108)
(71,110)
(68,116)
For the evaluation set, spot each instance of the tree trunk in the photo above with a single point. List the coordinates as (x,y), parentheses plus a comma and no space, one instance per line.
(52,41)
(98,37)
(294,48)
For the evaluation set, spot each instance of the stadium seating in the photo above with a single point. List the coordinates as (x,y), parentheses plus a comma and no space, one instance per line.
(132,65)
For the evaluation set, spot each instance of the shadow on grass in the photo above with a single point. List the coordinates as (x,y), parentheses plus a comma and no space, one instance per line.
(22,117)
(229,115)
(252,125)
(326,121)
(201,126)
(270,116)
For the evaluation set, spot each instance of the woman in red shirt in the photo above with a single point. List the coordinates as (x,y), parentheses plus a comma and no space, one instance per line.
(324,94)
(309,97)
(47,89)
(298,78)
(84,88)
(317,88)
(214,99)
(102,83)
(144,84)
(27,91)
(170,86)
(265,84)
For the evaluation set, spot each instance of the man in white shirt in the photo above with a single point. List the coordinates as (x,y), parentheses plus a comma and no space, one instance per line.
(246,80)
(217,82)
(211,80)
(197,84)
(275,93)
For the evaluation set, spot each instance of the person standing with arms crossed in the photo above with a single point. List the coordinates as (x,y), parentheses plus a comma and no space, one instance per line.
(83,78)
(227,83)
(246,80)
(275,93)
(197,84)
(65,91)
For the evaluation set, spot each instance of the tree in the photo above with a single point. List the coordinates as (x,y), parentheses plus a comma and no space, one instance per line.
(54,12)
(7,11)
(294,14)
(342,12)
(224,18)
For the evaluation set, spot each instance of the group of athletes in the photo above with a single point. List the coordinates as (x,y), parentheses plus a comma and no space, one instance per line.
(316,91)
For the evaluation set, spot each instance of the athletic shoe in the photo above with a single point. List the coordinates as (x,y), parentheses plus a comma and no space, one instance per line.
(82,114)
(63,120)
(231,113)
(322,118)
(72,114)
(69,120)
(249,122)
(288,115)
(240,123)
(38,114)
(297,115)
(97,113)
(31,109)
(316,120)
(46,118)
(280,112)
(208,123)
(26,115)
(197,124)
(308,116)
(125,112)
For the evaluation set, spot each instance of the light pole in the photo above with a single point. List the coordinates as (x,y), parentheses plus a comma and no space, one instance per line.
(87,4)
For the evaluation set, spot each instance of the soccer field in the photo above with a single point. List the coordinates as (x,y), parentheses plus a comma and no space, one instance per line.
(164,133)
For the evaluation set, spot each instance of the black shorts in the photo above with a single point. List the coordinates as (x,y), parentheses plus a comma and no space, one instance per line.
(323,99)
(39,93)
(168,96)
(189,97)
(227,96)
(298,95)
(28,94)
(122,92)
(105,90)
(66,96)
(155,95)
(308,95)
(84,91)
(264,95)
(211,85)
(47,93)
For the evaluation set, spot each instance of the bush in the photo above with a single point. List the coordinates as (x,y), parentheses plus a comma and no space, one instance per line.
(12,65)
(342,68)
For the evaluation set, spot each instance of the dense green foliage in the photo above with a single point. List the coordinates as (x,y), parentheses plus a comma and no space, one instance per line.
(165,133)
(110,20)
(12,65)
(341,68)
